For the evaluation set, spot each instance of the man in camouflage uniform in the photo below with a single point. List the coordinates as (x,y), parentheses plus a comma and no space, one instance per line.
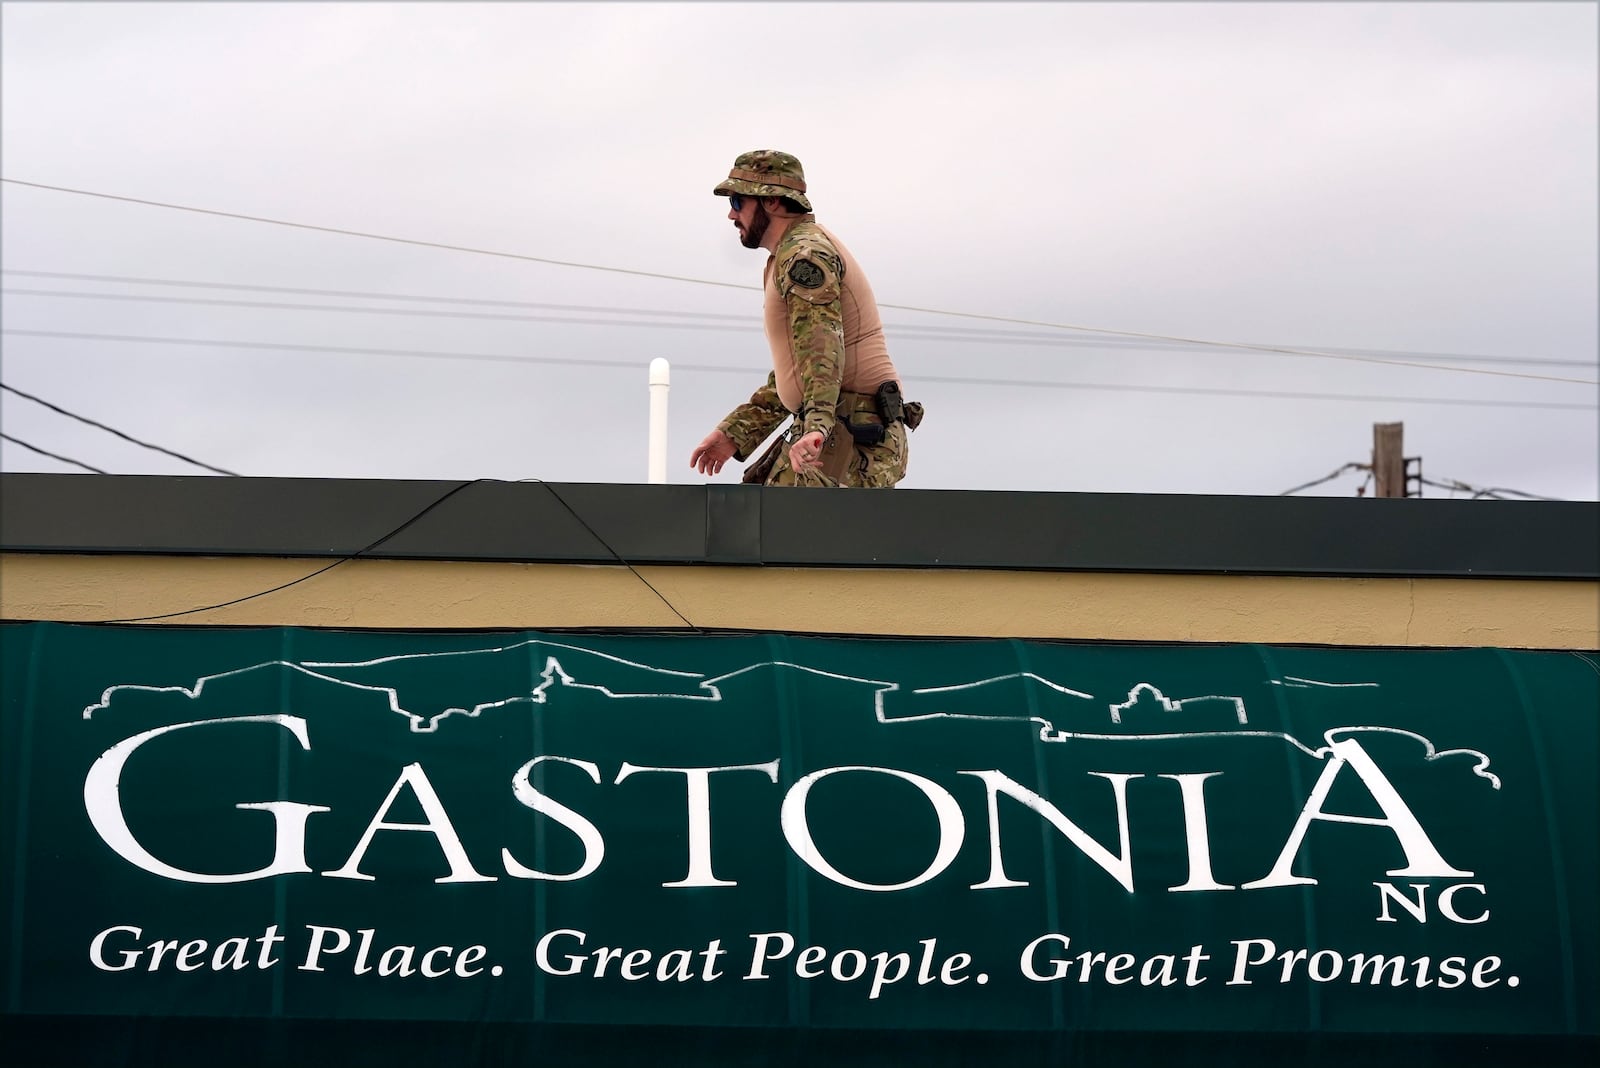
(831,367)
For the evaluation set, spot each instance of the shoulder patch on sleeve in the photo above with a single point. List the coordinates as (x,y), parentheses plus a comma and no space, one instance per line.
(811,270)
(805,273)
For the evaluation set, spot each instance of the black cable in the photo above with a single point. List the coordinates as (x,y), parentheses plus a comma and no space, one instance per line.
(608,547)
(735,323)
(747,371)
(346,309)
(487,357)
(1325,478)
(114,430)
(1455,486)
(951,333)
(374,237)
(366,294)
(304,578)
(53,456)
(1449,484)
(1271,394)
(1519,493)
(732,285)
(393,533)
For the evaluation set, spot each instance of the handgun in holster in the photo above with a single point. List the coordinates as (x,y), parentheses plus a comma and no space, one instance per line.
(869,424)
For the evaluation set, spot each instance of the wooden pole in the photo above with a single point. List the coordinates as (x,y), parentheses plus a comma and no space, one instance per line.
(1388,463)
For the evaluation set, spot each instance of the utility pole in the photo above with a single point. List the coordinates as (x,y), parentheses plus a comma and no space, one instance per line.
(1388,460)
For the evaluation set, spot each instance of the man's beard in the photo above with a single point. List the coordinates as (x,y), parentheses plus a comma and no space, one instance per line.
(751,236)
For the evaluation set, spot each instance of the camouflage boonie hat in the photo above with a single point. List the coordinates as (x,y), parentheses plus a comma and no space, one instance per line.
(766,172)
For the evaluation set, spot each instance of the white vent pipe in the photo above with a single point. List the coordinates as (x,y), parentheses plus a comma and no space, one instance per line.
(660,382)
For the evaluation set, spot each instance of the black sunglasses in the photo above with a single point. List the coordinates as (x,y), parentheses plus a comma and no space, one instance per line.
(736,202)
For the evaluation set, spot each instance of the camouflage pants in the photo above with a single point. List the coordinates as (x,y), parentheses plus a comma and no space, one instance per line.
(870,467)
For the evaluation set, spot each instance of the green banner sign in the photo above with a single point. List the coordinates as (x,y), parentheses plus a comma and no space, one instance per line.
(767,832)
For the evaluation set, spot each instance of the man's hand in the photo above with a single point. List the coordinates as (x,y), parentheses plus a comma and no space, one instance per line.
(804,454)
(709,456)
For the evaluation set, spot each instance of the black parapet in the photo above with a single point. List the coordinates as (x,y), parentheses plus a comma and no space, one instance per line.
(747,525)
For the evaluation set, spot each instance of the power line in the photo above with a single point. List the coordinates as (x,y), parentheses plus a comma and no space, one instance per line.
(378,237)
(745,371)
(1495,492)
(1449,484)
(1262,393)
(368,294)
(1518,493)
(739,323)
(954,332)
(732,285)
(1257,348)
(52,455)
(743,326)
(1326,478)
(114,430)
(483,357)
(949,332)
(143,298)
(727,323)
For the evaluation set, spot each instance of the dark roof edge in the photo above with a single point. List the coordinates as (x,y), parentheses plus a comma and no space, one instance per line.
(716,524)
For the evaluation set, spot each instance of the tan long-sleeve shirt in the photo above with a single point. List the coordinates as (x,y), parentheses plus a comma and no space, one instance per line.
(864,364)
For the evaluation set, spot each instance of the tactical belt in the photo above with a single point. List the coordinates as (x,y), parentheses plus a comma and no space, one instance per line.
(859,419)
(850,405)
(869,415)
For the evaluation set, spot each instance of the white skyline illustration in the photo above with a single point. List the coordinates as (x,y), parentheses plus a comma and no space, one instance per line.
(697,687)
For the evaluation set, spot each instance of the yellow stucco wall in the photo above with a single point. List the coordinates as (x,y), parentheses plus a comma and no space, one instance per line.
(1440,612)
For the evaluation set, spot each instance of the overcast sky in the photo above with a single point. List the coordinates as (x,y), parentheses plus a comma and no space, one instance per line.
(1393,181)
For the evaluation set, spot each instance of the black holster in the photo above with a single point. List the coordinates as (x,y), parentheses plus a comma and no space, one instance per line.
(756,473)
(891,408)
